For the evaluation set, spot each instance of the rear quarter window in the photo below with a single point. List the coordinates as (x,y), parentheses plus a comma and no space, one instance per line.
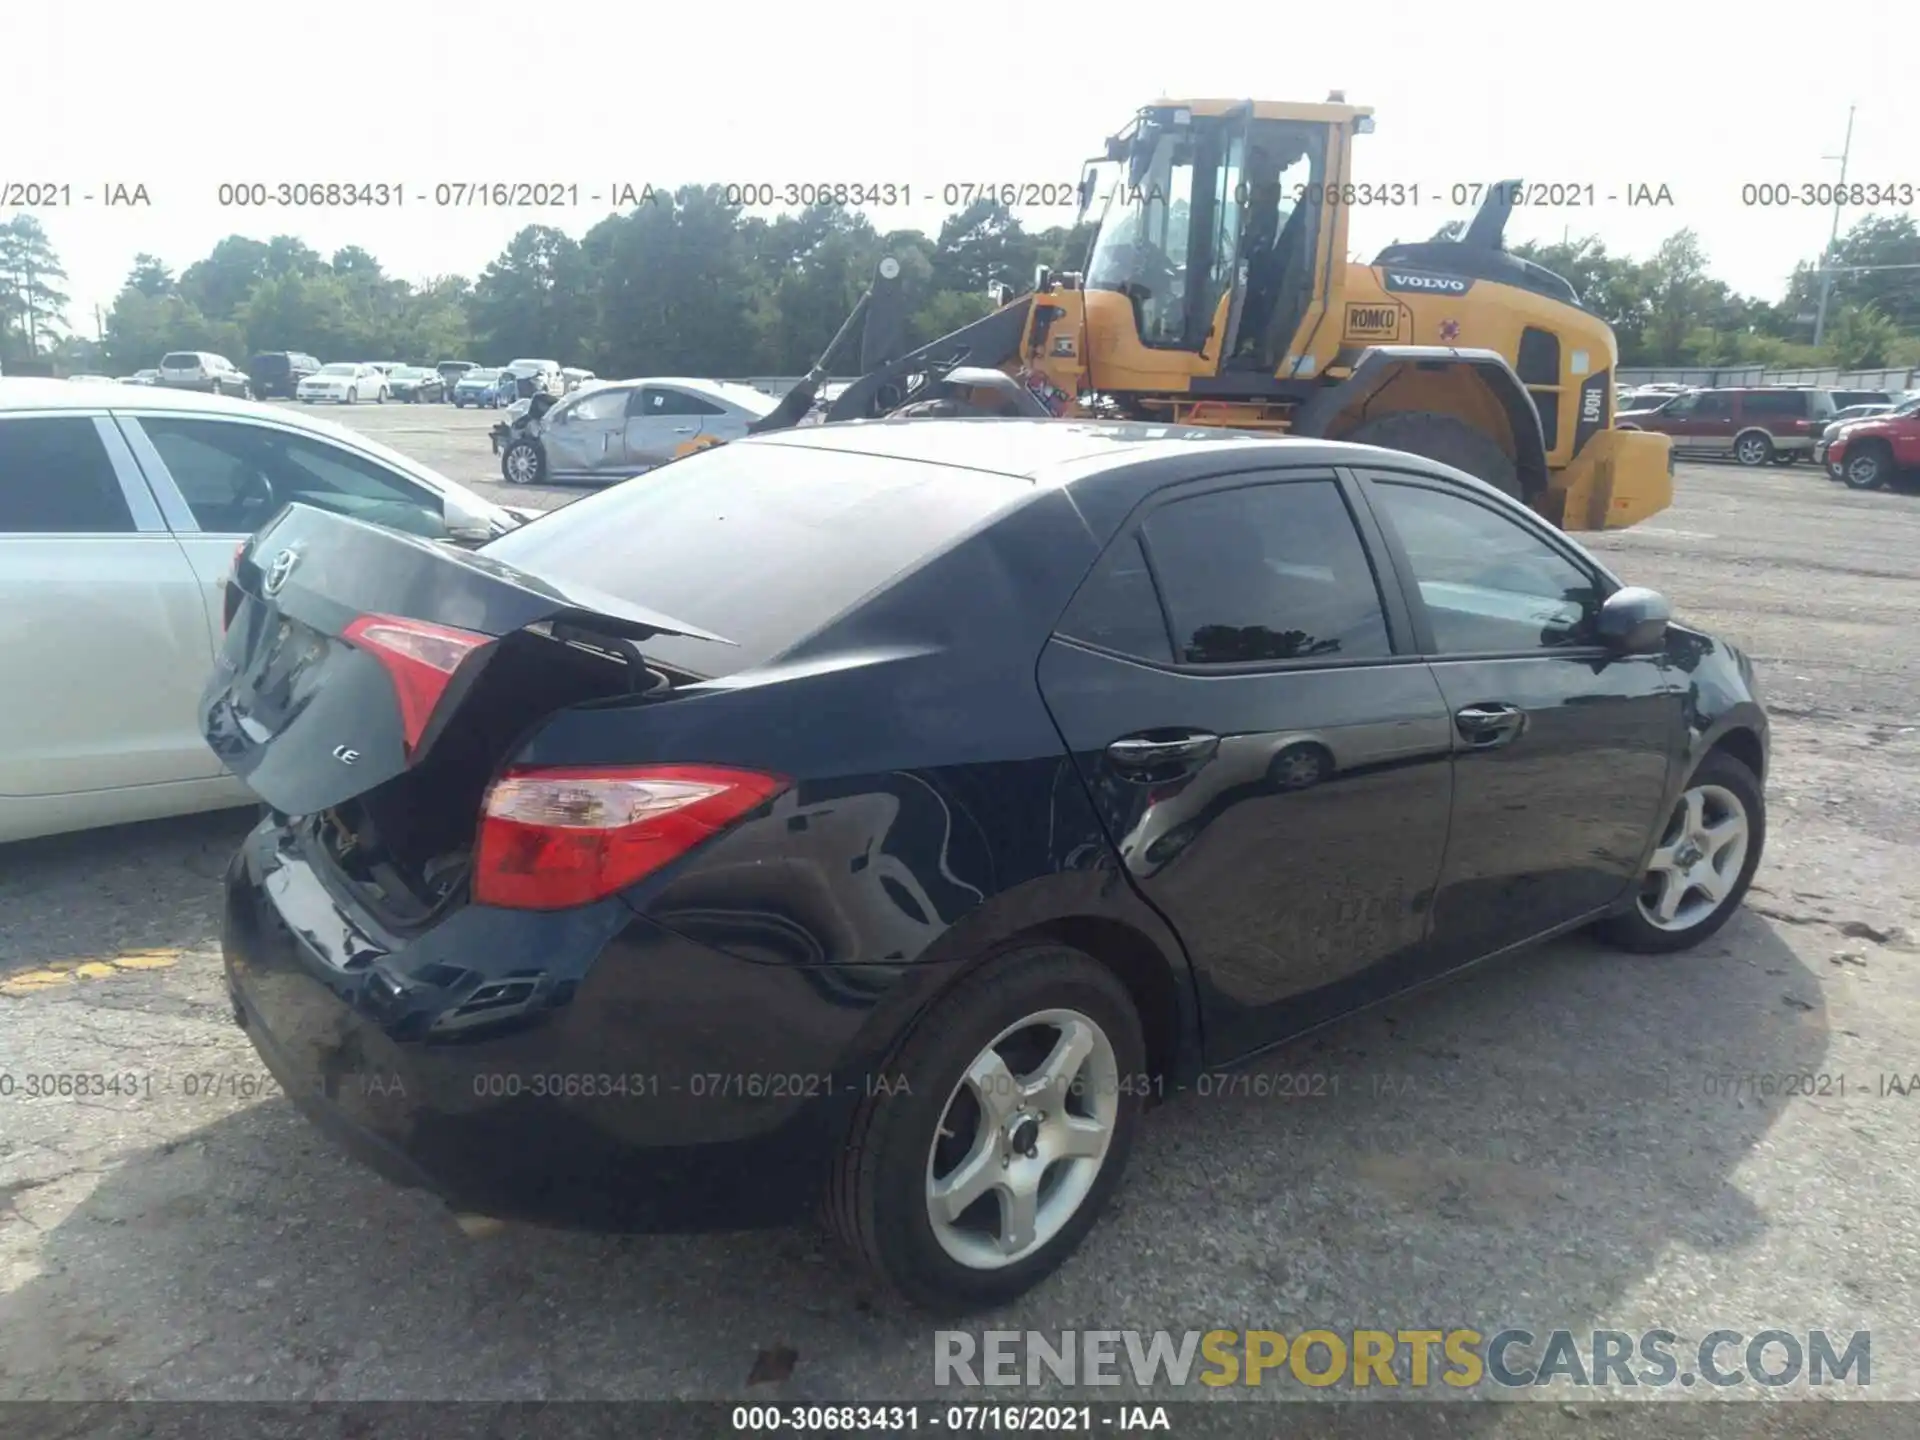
(762,544)
(55,478)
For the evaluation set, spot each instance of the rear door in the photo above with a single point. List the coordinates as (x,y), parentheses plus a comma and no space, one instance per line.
(660,419)
(1275,773)
(1562,749)
(218,480)
(106,643)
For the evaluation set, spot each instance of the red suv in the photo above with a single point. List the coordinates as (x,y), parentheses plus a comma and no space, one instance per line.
(1774,425)
(1871,453)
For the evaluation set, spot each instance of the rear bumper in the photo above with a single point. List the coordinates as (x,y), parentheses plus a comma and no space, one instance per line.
(584,1068)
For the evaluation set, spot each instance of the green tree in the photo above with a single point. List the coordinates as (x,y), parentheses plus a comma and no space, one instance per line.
(33,308)
(150,276)
(533,300)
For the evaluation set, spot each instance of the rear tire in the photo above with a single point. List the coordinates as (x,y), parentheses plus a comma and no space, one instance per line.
(1753,449)
(903,1146)
(1444,438)
(1729,793)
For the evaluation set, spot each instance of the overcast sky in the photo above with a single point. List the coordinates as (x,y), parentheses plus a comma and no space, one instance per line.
(1699,97)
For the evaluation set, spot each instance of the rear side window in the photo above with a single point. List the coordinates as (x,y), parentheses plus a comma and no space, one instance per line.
(55,478)
(1270,572)
(1117,607)
(1776,402)
(762,544)
(652,401)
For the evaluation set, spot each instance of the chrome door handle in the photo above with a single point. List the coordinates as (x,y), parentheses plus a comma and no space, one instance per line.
(1490,724)
(1139,753)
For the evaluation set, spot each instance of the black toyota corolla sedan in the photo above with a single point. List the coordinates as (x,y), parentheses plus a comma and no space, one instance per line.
(875,819)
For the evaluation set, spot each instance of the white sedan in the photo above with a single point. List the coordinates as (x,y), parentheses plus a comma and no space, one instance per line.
(121,511)
(345,382)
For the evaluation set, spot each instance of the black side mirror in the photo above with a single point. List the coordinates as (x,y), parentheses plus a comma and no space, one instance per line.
(1633,621)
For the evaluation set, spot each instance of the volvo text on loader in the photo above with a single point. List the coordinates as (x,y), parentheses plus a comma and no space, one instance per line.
(1217,292)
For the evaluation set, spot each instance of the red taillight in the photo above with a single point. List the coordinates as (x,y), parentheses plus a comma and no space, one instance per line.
(551,838)
(420,657)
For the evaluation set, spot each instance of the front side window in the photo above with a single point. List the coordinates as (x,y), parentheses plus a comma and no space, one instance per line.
(1272,572)
(236,477)
(1142,245)
(1489,584)
(599,406)
(56,478)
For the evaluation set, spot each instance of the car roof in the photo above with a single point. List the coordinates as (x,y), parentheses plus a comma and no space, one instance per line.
(734,391)
(1049,452)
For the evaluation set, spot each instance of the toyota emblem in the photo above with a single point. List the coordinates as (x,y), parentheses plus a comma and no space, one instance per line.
(279,570)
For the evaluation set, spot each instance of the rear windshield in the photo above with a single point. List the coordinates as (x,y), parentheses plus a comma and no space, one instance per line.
(762,544)
(180,360)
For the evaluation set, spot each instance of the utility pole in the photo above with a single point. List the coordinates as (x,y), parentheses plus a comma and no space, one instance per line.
(1826,261)
(33,328)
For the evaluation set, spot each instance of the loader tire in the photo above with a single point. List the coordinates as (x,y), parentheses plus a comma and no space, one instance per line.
(944,409)
(1444,438)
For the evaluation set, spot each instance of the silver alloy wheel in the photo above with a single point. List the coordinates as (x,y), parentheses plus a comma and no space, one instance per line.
(521,465)
(1018,1151)
(1863,470)
(1698,861)
(1752,450)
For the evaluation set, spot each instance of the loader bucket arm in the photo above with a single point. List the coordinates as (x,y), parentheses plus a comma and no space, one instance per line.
(990,342)
(879,320)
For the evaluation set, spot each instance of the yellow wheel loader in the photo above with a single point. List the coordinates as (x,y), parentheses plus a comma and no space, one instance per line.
(1218,292)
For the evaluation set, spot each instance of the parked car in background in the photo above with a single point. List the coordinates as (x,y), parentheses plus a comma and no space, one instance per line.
(1769,425)
(89,379)
(572,378)
(1841,419)
(1880,450)
(201,370)
(279,372)
(814,755)
(452,370)
(544,375)
(141,377)
(416,384)
(345,382)
(119,517)
(484,388)
(615,429)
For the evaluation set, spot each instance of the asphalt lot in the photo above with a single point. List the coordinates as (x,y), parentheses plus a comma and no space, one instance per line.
(1554,1140)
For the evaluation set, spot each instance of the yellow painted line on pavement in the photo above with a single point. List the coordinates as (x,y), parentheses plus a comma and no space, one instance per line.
(59,973)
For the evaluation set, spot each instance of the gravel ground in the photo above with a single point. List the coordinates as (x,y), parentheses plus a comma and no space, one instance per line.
(1548,1142)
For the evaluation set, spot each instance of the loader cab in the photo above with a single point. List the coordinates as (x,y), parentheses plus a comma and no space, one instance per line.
(1214,225)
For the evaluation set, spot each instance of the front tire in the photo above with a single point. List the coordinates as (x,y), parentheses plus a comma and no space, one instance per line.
(1868,468)
(1444,438)
(1700,870)
(1753,449)
(521,463)
(353,397)
(1003,1132)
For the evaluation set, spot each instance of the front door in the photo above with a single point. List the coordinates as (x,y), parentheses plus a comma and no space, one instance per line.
(1274,774)
(585,436)
(1561,748)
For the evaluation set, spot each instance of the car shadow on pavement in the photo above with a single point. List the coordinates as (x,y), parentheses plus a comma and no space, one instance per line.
(99,893)
(1523,1146)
